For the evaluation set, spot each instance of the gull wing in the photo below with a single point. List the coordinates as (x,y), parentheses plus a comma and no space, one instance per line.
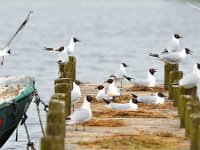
(195,7)
(172,57)
(20,28)
(150,99)
(80,115)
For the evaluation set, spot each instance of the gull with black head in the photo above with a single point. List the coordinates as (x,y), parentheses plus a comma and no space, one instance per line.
(173,45)
(119,76)
(173,57)
(102,95)
(131,105)
(112,89)
(150,81)
(63,52)
(82,114)
(158,98)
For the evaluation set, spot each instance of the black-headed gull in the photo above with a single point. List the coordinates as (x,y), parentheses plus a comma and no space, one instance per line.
(63,52)
(173,57)
(112,89)
(132,105)
(5,51)
(150,81)
(191,79)
(82,114)
(119,75)
(158,98)
(101,94)
(173,45)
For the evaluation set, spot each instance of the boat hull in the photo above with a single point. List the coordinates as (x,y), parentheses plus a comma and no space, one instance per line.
(11,115)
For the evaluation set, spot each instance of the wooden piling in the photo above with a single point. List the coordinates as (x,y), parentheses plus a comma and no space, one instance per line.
(52,143)
(57,104)
(70,68)
(168,68)
(66,89)
(185,91)
(175,95)
(198,137)
(191,107)
(195,122)
(183,101)
(173,76)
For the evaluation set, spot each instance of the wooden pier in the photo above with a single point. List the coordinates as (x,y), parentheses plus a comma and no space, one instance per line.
(174,125)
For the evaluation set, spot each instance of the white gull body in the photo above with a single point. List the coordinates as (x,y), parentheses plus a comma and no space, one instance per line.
(191,79)
(126,106)
(82,114)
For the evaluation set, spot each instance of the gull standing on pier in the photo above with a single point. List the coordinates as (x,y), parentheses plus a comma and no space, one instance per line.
(158,98)
(102,95)
(63,52)
(119,76)
(112,89)
(82,114)
(76,92)
(150,81)
(173,45)
(172,57)
(191,79)
(132,105)
(5,51)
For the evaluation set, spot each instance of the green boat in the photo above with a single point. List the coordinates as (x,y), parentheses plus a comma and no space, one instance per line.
(13,109)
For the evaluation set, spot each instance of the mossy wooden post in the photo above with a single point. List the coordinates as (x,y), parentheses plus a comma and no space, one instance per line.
(183,101)
(66,89)
(198,137)
(57,104)
(70,69)
(175,95)
(55,128)
(195,122)
(168,68)
(191,107)
(173,76)
(185,91)
(51,143)
(62,70)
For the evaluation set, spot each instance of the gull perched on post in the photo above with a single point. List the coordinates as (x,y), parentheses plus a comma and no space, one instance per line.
(173,45)
(191,79)
(63,52)
(5,50)
(173,57)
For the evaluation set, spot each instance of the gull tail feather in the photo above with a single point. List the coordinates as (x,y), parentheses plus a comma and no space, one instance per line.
(134,96)
(69,121)
(154,55)
(106,101)
(128,78)
(48,49)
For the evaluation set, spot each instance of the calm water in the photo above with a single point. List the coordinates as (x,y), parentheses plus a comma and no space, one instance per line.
(111,31)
